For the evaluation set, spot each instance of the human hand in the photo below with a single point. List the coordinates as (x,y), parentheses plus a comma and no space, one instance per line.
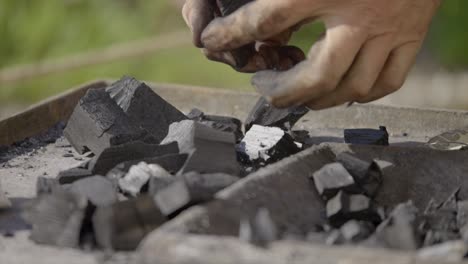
(366,52)
(249,57)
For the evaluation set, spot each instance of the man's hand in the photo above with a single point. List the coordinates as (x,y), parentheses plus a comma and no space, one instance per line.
(366,52)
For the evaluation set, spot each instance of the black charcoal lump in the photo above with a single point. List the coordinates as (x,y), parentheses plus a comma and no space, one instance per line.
(145,107)
(368,175)
(97,123)
(332,178)
(57,218)
(264,114)
(209,150)
(344,207)
(366,136)
(138,175)
(222,123)
(266,145)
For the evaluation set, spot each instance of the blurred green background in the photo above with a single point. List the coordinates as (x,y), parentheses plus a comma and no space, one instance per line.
(33,31)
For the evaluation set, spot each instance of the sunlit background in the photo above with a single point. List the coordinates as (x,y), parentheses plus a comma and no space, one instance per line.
(48,46)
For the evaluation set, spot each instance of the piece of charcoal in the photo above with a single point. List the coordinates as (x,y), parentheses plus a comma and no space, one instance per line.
(144,106)
(221,123)
(400,230)
(98,123)
(204,186)
(209,150)
(74,174)
(97,189)
(264,114)
(344,207)
(259,230)
(368,175)
(136,150)
(440,222)
(366,136)
(172,163)
(4,201)
(56,218)
(227,7)
(332,178)
(265,145)
(123,225)
(355,231)
(139,175)
(46,185)
(173,198)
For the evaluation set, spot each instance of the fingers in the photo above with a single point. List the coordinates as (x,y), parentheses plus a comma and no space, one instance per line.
(258,20)
(395,71)
(197,15)
(329,59)
(267,57)
(360,78)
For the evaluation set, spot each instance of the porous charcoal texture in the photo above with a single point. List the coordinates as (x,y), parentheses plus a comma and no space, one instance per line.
(221,123)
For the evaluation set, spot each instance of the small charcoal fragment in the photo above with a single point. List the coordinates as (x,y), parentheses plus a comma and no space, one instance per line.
(98,123)
(139,175)
(366,136)
(173,198)
(259,230)
(209,150)
(123,225)
(229,6)
(356,231)
(344,207)
(265,145)
(46,185)
(4,201)
(440,222)
(97,189)
(57,218)
(144,106)
(136,150)
(264,114)
(368,175)
(74,174)
(332,178)
(400,230)
(221,123)
(172,163)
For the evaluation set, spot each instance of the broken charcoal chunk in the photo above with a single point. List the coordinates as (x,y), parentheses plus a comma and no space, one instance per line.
(204,186)
(136,150)
(400,230)
(98,123)
(265,145)
(172,163)
(4,201)
(264,114)
(173,198)
(123,225)
(356,231)
(97,189)
(344,207)
(139,175)
(365,136)
(74,174)
(221,123)
(57,218)
(332,178)
(209,150)
(259,230)
(46,185)
(440,222)
(368,175)
(144,106)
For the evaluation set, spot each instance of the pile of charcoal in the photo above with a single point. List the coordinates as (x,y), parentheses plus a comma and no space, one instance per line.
(147,163)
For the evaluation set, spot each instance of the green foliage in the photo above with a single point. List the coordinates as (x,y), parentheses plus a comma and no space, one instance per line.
(35,30)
